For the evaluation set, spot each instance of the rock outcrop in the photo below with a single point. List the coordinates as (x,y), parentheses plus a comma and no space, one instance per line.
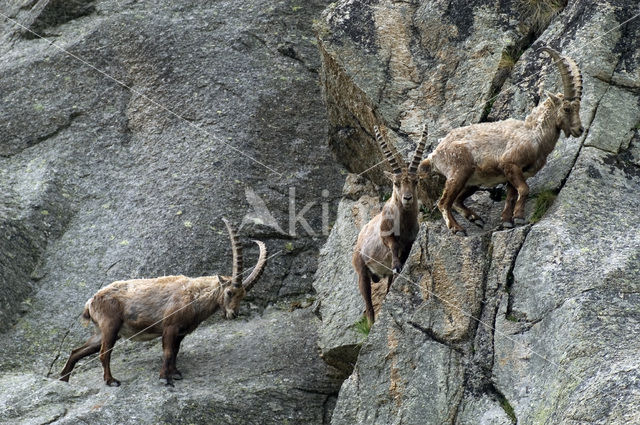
(223,116)
(535,325)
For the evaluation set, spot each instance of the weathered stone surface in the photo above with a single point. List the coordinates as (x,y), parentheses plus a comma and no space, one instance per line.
(340,302)
(101,183)
(576,283)
(483,411)
(402,375)
(536,325)
(410,63)
(233,373)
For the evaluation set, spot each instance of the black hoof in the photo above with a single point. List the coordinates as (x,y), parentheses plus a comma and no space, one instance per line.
(113,383)
(460,232)
(167,382)
(519,221)
(506,225)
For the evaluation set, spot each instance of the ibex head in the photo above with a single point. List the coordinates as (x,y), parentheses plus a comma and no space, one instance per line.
(405,179)
(567,104)
(234,289)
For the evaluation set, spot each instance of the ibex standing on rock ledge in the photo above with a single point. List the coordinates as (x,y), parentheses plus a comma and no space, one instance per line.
(384,242)
(169,307)
(508,151)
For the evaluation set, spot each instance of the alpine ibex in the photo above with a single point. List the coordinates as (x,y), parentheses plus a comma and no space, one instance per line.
(169,307)
(384,242)
(508,151)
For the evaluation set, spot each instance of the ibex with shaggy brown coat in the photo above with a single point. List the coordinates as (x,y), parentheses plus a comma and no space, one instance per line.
(508,151)
(384,242)
(169,307)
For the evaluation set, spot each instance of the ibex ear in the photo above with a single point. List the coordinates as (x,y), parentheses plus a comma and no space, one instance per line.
(389,175)
(555,99)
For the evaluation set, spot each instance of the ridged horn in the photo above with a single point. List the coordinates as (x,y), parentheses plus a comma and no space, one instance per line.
(417,157)
(258,268)
(576,77)
(236,249)
(387,152)
(570,73)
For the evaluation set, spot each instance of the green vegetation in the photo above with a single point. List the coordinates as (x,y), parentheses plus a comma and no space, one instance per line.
(508,409)
(537,14)
(512,318)
(362,326)
(509,57)
(506,60)
(544,200)
(487,108)
(429,214)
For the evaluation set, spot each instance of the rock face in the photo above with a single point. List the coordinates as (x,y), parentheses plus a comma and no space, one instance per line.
(222,115)
(233,373)
(535,325)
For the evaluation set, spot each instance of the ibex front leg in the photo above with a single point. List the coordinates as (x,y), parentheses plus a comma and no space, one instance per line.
(109,336)
(388,233)
(507,212)
(516,179)
(394,246)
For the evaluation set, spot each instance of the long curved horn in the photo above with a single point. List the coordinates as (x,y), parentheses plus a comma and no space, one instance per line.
(236,249)
(387,152)
(570,73)
(576,77)
(417,157)
(258,268)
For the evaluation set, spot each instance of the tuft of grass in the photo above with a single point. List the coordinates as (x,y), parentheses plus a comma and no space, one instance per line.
(487,108)
(362,326)
(429,214)
(539,13)
(512,318)
(509,57)
(507,60)
(544,200)
(508,409)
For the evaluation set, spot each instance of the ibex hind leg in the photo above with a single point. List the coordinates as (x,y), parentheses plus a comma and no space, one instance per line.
(92,346)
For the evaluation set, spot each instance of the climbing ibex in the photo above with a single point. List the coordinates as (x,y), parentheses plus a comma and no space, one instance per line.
(384,243)
(508,151)
(169,307)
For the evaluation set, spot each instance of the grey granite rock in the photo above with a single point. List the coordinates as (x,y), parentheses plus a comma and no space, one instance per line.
(535,325)
(102,182)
